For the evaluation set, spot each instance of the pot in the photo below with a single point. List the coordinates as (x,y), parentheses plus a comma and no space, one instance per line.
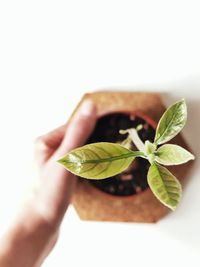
(93,204)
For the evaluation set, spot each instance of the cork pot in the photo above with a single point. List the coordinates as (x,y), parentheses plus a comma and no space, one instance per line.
(93,204)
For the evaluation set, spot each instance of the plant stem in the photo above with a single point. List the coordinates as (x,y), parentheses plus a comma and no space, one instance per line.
(136,139)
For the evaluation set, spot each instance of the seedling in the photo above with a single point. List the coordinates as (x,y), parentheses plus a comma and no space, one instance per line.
(103,160)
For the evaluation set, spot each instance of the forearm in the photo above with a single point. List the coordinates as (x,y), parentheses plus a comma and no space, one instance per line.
(28,241)
(34,232)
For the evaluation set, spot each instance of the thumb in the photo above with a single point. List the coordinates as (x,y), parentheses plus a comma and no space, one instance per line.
(79,129)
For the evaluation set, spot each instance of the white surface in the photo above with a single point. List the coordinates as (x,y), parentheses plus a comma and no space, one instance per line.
(53,51)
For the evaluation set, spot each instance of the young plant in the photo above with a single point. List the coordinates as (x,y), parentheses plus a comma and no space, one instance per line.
(103,160)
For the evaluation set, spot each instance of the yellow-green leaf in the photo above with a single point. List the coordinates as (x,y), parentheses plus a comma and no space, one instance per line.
(149,147)
(171,122)
(164,185)
(170,154)
(98,160)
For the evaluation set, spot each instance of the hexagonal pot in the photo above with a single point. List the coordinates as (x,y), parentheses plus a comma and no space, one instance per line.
(93,204)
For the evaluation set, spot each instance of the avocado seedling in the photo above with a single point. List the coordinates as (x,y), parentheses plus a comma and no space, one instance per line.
(103,160)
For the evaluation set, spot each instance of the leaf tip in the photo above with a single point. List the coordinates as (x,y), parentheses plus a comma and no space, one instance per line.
(191,156)
(61,161)
(172,208)
(182,101)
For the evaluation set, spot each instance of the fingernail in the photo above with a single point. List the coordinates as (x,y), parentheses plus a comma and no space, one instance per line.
(87,108)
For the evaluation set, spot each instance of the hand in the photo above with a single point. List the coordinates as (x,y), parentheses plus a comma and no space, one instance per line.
(56,186)
(35,230)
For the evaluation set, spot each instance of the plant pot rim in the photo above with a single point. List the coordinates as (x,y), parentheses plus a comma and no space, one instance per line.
(151,122)
(138,113)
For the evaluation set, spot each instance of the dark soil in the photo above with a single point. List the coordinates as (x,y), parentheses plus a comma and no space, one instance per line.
(134,179)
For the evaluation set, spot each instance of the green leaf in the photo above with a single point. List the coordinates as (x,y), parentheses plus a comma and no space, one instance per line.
(164,185)
(172,155)
(98,160)
(171,122)
(149,147)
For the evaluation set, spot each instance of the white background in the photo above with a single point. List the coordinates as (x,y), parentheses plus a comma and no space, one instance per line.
(51,52)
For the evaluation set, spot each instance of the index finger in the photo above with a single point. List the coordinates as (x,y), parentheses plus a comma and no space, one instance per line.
(48,143)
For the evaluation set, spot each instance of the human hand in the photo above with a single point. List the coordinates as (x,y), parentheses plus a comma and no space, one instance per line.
(35,229)
(56,184)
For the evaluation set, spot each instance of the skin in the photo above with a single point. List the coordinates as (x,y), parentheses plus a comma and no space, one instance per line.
(34,232)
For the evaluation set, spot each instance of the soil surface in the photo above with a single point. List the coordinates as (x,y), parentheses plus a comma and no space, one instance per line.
(134,179)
